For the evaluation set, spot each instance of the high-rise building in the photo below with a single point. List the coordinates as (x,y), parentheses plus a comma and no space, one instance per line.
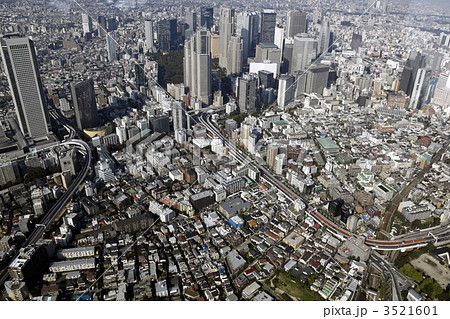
(254,32)
(356,41)
(191,20)
(149,35)
(268,52)
(225,31)
(22,70)
(247,94)
(417,88)
(207,17)
(304,52)
(87,23)
(415,62)
(140,75)
(279,38)
(167,34)
(286,90)
(235,54)
(272,152)
(111,24)
(296,23)
(84,104)
(317,78)
(268,22)
(243,29)
(178,115)
(325,37)
(111,47)
(101,26)
(197,65)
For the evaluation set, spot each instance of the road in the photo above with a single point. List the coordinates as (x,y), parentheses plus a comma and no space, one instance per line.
(411,240)
(57,208)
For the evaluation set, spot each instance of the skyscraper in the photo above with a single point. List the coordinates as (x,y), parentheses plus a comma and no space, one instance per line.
(417,88)
(101,26)
(268,22)
(207,17)
(296,23)
(247,95)
(415,62)
(254,32)
(111,47)
(167,34)
(191,20)
(317,78)
(325,38)
(197,65)
(21,67)
(243,29)
(87,23)
(286,90)
(84,104)
(178,115)
(225,31)
(149,35)
(304,52)
(140,75)
(235,54)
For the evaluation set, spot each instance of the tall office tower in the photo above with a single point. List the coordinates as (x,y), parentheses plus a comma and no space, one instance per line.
(243,29)
(235,55)
(178,115)
(415,62)
(225,32)
(356,42)
(304,52)
(84,104)
(287,55)
(268,51)
(300,84)
(279,38)
(254,32)
(22,70)
(167,34)
(101,26)
(247,94)
(268,22)
(317,78)
(272,152)
(191,20)
(207,17)
(148,35)
(325,38)
(87,23)
(111,24)
(296,23)
(197,65)
(111,47)
(266,79)
(286,90)
(417,88)
(140,75)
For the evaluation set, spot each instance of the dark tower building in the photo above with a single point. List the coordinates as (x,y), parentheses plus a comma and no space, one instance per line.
(415,62)
(140,75)
(84,104)
(207,17)
(167,34)
(268,22)
(101,28)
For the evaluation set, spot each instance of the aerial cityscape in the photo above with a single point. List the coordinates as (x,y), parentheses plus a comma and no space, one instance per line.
(225,150)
